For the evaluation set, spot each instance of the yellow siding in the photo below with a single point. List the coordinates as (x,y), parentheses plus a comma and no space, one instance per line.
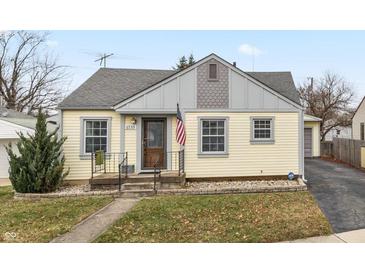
(130,142)
(245,159)
(316,137)
(81,168)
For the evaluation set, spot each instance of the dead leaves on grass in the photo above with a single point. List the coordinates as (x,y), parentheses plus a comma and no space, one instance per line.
(221,218)
(40,221)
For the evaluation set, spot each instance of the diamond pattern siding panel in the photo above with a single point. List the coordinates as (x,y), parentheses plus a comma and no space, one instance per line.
(212,93)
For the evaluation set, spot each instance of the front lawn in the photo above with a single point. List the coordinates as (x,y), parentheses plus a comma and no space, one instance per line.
(270,217)
(42,220)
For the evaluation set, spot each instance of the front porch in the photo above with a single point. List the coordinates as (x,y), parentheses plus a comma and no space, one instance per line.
(111,171)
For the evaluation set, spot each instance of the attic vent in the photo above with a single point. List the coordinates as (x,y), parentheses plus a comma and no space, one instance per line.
(213,72)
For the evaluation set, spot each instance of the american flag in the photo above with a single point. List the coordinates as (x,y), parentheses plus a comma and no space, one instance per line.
(180,128)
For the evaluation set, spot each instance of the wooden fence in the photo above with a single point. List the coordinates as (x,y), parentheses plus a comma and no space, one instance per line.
(327,149)
(345,150)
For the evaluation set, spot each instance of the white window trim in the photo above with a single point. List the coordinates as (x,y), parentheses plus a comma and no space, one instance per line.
(213,79)
(83,154)
(200,137)
(254,140)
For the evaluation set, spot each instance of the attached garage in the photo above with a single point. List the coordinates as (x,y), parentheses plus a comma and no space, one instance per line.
(312,136)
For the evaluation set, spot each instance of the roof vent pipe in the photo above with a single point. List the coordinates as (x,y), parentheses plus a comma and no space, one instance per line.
(234,64)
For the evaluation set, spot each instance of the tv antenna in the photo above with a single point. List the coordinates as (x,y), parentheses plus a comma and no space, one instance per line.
(103,58)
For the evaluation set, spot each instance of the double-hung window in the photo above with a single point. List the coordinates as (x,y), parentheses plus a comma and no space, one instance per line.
(262,129)
(95,135)
(213,135)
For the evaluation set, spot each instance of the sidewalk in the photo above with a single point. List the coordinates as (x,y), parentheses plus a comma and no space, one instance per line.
(354,236)
(93,226)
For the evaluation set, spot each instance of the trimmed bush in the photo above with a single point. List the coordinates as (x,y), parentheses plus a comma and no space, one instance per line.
(39,165)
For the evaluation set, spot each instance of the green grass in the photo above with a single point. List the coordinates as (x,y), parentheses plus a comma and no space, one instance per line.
(221,218)
(42,220)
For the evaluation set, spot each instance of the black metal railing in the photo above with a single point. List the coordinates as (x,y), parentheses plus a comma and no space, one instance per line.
(123,169)
(156,171)
(176,161)
(106,162)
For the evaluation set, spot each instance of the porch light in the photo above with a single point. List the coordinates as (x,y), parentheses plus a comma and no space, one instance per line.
(133,121)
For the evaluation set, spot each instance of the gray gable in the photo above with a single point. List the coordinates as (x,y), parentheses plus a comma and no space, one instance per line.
(282,82)
(107,86)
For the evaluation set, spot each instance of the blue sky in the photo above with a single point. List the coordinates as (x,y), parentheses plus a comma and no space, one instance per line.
(304,53)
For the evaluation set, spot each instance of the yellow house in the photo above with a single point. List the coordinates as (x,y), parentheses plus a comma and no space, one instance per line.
(237,124)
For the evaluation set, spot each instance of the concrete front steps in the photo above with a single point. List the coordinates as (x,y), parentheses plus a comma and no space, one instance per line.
(137,185)
(136,193)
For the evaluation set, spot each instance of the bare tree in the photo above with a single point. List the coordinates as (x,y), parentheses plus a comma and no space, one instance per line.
(30,77)
(329,98)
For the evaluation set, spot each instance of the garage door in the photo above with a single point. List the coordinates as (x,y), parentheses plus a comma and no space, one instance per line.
(308,142)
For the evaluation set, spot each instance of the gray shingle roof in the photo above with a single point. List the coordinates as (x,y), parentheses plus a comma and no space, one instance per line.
(282,82)
(107,86)
(17,117)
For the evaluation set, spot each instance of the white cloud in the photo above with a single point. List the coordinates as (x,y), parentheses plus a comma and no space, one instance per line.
(52,43)
(249,50)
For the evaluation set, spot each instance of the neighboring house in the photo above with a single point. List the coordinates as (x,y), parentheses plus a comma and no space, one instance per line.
(238,124)
(53,121)
(12,122)
(358,120)
(339,132)
(312,136)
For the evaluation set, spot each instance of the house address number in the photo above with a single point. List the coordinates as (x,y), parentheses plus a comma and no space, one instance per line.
(130,126)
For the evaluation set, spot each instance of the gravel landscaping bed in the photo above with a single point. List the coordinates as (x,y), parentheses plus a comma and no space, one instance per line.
(241,184)
(74,189)
(231,187)
(191,188)
(67,191)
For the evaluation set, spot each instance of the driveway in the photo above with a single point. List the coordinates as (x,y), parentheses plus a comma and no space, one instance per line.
(339,191)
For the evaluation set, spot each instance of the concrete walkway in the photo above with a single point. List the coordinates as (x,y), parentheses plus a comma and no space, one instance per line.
(93,226)
(354,236)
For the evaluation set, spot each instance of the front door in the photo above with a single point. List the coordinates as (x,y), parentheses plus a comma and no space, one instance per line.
(153,142)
